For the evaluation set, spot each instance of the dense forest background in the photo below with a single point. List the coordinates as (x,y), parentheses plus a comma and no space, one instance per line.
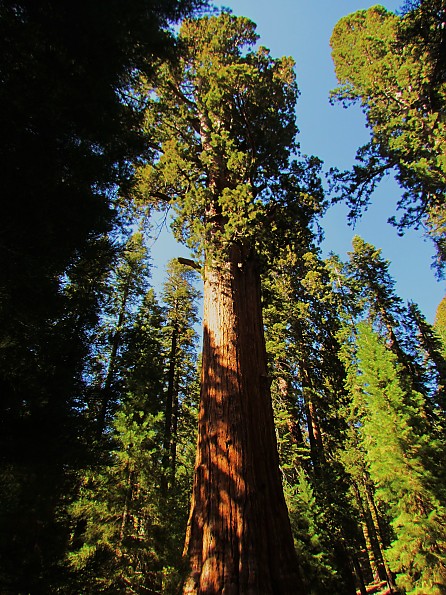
(111,116)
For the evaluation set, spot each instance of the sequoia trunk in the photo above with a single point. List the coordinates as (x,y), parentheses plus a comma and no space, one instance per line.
(239,537)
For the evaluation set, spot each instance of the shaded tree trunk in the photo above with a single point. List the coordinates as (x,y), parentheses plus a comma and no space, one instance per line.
(367,527)
(314,431)
(239,537)
(106,393)
(174,439)
(379,533)
(171,399)
(359,574)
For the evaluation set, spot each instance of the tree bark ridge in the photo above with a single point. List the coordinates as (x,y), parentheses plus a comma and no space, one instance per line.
(239,537)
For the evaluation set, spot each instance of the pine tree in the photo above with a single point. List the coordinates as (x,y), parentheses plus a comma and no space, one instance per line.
(367,292)
(180,298)
(375,523)
(127,285)
(309,530)
(116,516)
(302,326)
(128,528)
(374,288)
(434,363)
(403,463)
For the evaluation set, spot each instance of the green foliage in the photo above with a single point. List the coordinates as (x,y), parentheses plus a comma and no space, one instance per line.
(116,516)
(225,126)
(128,528)
(367,291)
(301,326)
(440,322)
(395,67)
(431,346)
(70,130)
(394,442)
(311,544)
(405,464)
(302,323)
(180,339)
(100,382)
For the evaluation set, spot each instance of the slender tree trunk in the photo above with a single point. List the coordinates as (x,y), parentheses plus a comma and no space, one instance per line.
(314,433)
(116,341)
(379,533)
(368,532)
(173,442)
(359,575)
(239,537)
(313,426)
(170,398)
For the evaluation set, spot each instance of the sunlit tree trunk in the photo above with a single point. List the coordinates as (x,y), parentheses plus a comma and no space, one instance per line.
(239,537)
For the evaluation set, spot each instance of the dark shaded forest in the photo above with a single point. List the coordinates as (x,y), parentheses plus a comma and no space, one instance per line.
(292,442)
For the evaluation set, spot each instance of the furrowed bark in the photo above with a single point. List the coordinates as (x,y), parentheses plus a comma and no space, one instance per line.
(239,538)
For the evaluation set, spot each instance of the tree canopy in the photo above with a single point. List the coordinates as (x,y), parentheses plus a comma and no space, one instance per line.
(394,66)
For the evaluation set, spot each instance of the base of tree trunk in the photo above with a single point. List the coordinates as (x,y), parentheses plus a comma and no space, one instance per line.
(239,536)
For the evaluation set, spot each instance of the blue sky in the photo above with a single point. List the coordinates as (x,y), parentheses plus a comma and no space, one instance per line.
(302,29)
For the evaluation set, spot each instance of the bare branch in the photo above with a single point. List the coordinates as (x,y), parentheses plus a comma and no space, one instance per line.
(190,263)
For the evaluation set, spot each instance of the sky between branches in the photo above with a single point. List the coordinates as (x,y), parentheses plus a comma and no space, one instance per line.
(302,29)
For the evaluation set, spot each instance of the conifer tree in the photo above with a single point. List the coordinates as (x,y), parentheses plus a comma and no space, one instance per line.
(434,363)
(374,521)
(394,66)
(301,328)
(403,461)
(128,530)
(69,132)
(225,129)
(179,297)
(440,315)
(127,285)
(374,289)
(116,516)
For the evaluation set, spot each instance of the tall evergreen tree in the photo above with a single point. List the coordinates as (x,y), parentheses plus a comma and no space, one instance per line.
(127,285)
(225,124)
(373,288)
(70,128)
(128,527)
(302,325)
(405,463)
(116,516)
(434,362)
(180,299)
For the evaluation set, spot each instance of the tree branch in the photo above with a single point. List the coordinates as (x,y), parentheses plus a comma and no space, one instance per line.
(190,263)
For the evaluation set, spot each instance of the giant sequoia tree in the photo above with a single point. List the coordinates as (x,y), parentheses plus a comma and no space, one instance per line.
(224,119)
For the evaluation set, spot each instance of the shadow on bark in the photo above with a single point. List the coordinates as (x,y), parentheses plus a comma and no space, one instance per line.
(239,537)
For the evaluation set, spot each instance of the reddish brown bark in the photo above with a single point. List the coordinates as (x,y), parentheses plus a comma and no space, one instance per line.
(239,537)
(378,532)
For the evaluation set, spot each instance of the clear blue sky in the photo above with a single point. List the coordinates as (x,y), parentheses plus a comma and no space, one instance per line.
(302,29)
